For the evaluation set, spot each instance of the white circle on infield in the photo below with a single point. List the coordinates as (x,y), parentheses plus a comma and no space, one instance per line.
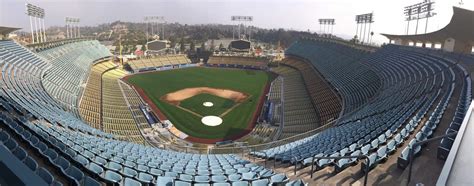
(208,104)
(211,121)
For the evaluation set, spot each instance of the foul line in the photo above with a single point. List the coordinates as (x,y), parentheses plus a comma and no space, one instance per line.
(190,111)
(232,108)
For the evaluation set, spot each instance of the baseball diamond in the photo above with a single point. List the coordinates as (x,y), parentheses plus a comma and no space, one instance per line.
(179,95)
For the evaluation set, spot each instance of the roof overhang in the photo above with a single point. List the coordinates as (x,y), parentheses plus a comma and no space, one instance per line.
(6,30)
(461,27)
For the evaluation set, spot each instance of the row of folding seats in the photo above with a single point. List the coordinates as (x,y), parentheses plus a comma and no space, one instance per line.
(117,117)
(61,138)
(369,128)
(21,86)
(327,103)
(91,102)
(70,65)
(340,65)
(158,62)
(461,110)
(299,116)
(237,61)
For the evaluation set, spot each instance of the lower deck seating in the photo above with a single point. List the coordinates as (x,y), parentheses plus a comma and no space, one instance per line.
(91,102)
(237,61)
(327,103)
(158,62)
(117,117)
(413,84)
(298,112)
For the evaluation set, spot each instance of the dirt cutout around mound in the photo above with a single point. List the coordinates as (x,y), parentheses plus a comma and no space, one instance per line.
(175,98)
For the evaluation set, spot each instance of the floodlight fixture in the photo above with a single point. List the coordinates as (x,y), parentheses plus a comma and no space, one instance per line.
(241,20)
(363,20)
(422,10)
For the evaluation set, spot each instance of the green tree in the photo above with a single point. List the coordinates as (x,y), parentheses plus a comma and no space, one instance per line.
(192,47)
(203,46)
(181,45)
(212,45)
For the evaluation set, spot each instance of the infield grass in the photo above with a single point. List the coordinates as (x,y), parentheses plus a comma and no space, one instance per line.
(195,104)
(251,82)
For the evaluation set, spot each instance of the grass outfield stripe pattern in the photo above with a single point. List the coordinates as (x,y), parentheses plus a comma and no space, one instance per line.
(251,82)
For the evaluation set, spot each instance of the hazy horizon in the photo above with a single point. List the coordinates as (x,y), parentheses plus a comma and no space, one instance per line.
(295,14)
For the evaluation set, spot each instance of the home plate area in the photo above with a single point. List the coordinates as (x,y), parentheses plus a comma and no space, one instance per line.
(208,104)
(211,120)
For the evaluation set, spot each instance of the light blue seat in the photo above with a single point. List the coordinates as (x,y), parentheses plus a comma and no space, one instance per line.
(112,177)
(156,172)
(372,162)
(129,172)
(382,154)
(391,146)
(145,178)
(95,168)
(221,184)
(164,181)
(114,166)
(249,176)
(262,182)
(235,177)
(75,175)
(31,163)
(131,182)
(240,183)
(45,175)
(20,153)
(219,179)
(181,183)
(202,179)
(186,178)
(279,179)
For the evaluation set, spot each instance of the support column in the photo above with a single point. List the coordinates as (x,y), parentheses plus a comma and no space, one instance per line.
(32,32)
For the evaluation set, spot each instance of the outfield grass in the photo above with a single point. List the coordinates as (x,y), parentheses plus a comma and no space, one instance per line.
(195,104)
(157,84)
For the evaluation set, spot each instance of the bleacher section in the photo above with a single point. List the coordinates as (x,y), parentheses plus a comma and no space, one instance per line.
(156,62)
(414,92)
(117,117)
(238,62)
(299,114)
(91,102)
(343,67)
(327,102)
(61,149)
(70,66)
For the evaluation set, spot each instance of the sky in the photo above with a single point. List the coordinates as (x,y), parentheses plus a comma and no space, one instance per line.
(289,14)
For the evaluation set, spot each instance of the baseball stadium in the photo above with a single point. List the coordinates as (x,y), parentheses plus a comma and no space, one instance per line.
(160,101)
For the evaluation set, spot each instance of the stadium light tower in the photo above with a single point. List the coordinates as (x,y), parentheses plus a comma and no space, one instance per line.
(241,20)
(36,15)
(329,22)
(419,11)
(72,28)
(154,20)
(364,19)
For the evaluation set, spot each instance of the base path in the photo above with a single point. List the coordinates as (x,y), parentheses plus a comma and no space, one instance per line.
(175,98)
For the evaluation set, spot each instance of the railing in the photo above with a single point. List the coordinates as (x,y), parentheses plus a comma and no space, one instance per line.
(367,167)
(410,150)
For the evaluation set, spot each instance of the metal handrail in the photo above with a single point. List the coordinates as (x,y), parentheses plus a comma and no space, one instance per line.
(410,150)
(284,155)
(344,157)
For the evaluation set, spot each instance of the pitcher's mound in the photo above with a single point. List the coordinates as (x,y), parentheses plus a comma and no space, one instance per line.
(208,104)
(211,120)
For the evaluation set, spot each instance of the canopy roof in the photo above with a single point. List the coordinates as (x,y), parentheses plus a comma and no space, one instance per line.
(6,30)
(461,27)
